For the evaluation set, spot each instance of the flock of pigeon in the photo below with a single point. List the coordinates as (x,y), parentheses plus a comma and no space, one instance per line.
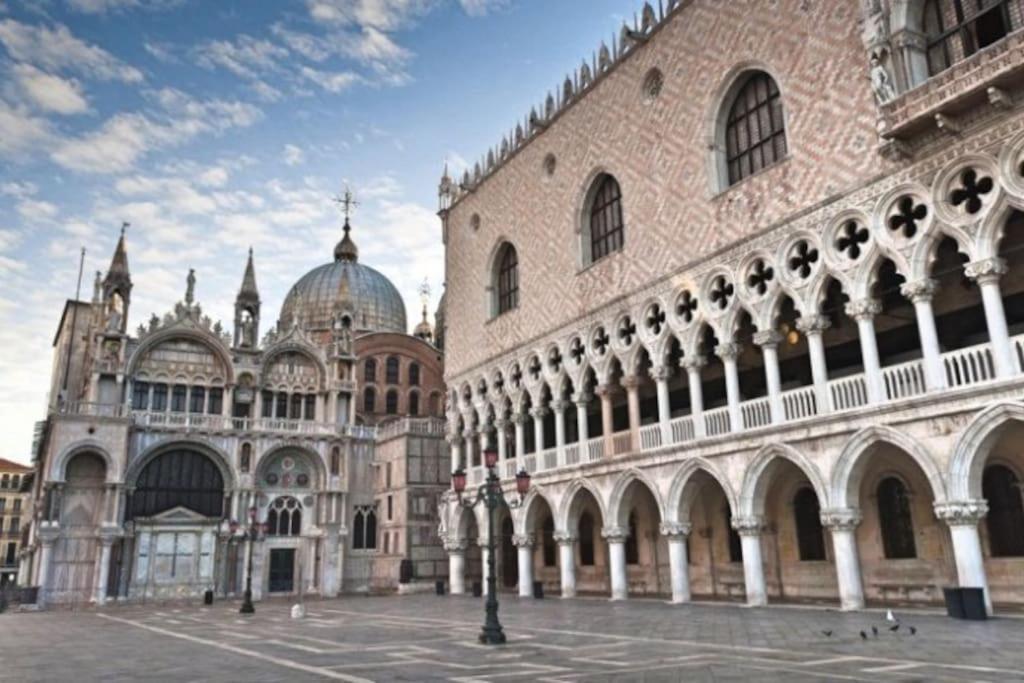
(893,628)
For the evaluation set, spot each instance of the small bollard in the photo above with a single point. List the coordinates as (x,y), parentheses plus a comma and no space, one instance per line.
(478,589)
(538,590)
(208,598)
(439,587)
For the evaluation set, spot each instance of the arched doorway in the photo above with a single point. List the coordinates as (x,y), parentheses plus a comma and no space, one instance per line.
(540,527)
(713,547)
(76,553)
(647,568)
(590,555)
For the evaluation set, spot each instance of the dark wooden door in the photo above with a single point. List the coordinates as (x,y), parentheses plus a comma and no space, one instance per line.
(282,570)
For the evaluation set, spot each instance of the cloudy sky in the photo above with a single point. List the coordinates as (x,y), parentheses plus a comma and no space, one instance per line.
(216,125)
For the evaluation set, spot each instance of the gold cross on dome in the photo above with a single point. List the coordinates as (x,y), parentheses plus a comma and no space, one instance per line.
(347,202)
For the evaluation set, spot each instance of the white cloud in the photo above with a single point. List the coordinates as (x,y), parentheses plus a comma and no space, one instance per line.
(266,92)
(386,15)
(478,8)
(35,210)
(55,48)
(20,132)
(162,52)
(214,177)
(246,56)
(19,190)
(331,81)
(124,138)
(9,239)
(49,92)
(293,155)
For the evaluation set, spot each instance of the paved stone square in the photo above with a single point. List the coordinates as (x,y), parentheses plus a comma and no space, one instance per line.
(430,638)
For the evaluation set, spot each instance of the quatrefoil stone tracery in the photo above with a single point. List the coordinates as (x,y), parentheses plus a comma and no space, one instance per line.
(907,217)
(852,238)
(601,341)
(971,191)
(761,274)
(686,306)
(721,292)
(555,359)
(802,259)
(627,331)
(655,319)
(577,351)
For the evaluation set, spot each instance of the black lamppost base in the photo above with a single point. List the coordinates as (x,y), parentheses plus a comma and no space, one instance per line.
(492,636)
(247,606)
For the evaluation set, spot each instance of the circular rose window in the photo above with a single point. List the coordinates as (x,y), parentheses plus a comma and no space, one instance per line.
(302,480)
(272,478)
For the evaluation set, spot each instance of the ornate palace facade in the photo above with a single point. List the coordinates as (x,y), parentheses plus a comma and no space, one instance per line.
(746,297)
(159,447)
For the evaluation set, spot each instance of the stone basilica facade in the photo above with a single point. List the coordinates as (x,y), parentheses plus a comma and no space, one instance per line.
(159,446)
(746,297)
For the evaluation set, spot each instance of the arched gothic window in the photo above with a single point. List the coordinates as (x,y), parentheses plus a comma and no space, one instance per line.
(245,462)
(359,531)
(956,29)
(364,528)
(606,228)
(735,545)
(284,517)
(371,530)
(895,519)
(809,535)
(369,400)
(414,374)
(179,478)
(632,544)
(414,404)
(392,370)
(755,132)
(1005,519)
(335,461)
(586,540)
(506,280)
(548,541)
(391,402)
(370,370)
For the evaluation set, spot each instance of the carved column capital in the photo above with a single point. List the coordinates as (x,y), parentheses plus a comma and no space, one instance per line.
(500,423)
(559,406)
(767,338)
(844,519)
(986,271)
(519,418)
(582,399)
(661,373)
(675,530)
(455,545)
(748,526)
(468,433)
(919,290)
(693,363)
(605,391)
(563,538)
(538,413)
(523,540)
(630,382)
(863,309)
(729,351)
(961,512)
(811,324)
(615,534)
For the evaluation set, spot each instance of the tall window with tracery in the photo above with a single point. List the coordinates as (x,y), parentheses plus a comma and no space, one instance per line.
(285,517)
(755,132)
(414,374)
(895,519)
(508,279)
(956,29)
(391,370)
(369,400)
(391,402)
(370,370)
(607,231)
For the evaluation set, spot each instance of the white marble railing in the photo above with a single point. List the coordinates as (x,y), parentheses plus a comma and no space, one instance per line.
(650,436)
(548,459)
(92,409)
(756,413)
(966,367)
(509,468)
(201,422)
(716,421)
(420,426)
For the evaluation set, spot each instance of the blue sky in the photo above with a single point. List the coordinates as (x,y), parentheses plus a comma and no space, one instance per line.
(216,125)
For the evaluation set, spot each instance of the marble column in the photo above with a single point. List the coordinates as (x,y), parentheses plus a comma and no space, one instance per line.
(559,409)
(469,443)
(921,293)
(750,529)
(582,401)
(728,353)
(692,365)
(500,425)
(47,537)
(813,327)
(524,550)
(458,461)
(605,393)
(103,571)
(518,421)
(864,312)
(842,524)
(679,564)
(632,385)
(538,413)
(661,375)
(616,538)
(769,341)
(962,517)
(456,566)
(987,274)
(567,563)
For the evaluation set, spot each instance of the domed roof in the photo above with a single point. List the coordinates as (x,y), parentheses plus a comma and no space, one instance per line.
(345,286)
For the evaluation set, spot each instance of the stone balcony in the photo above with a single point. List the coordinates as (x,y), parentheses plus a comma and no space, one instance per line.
(969,370)
(980,78)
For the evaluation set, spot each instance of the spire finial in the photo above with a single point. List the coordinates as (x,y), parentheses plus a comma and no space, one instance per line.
(124,226)
(347,202)
(346,249)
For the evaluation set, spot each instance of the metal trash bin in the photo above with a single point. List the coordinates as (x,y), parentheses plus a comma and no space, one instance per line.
(439,587)
(478,589)
(965,603)
(538,590)
(29,595)
(405,571)
(208,598)
(954,602)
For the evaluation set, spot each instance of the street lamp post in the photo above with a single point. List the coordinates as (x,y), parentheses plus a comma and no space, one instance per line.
(491,496)
(252,533)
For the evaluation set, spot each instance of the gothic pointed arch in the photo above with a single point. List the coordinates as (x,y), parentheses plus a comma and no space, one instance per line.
(602,223)
(761,472)
(849,468)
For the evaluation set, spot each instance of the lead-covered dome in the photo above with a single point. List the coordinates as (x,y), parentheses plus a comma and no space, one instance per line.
(345,287)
